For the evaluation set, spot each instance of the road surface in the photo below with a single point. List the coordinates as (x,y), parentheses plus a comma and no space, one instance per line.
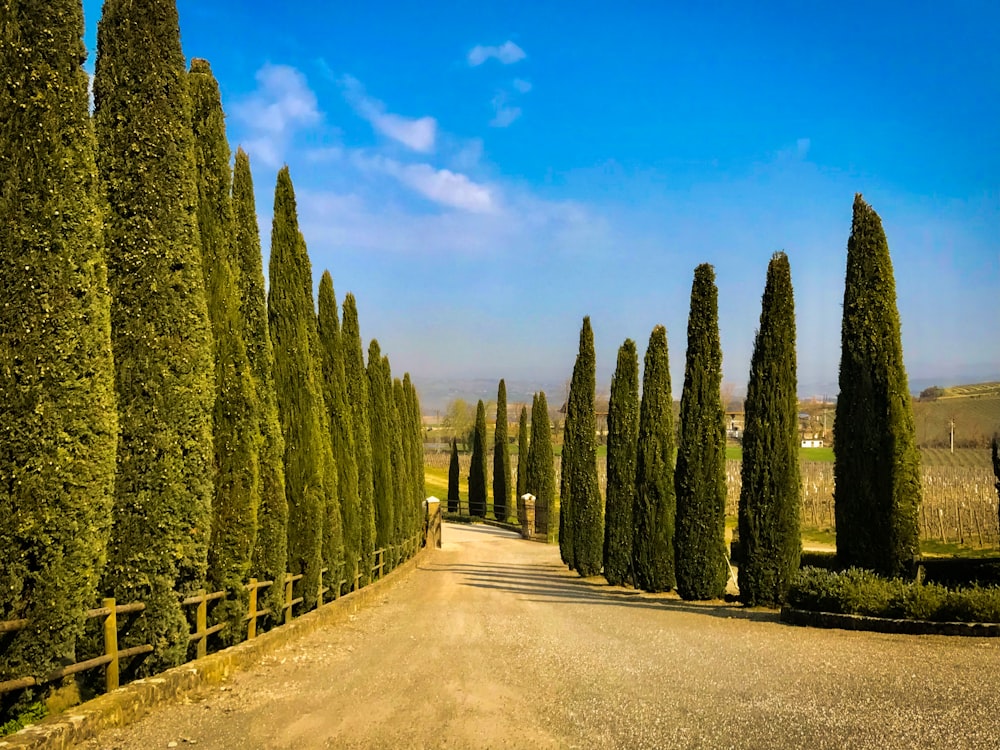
(492,643)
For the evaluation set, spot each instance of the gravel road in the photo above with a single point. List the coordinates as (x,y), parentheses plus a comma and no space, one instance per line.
(492,643)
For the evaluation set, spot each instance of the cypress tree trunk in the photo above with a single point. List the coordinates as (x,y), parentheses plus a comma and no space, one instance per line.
(235,418)
(623,435)
(700,477)
(522,454)
(160,331)
(477,470)
(454,499)
(586,506)
(300,400)
(769,498)
(58,424)
(877,465)
(359,401)
(655,509)
(541,468)
(501,458)
(380,401)
(341,430)
(270,554)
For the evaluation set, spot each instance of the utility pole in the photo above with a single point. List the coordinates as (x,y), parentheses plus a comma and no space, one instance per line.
(951,423)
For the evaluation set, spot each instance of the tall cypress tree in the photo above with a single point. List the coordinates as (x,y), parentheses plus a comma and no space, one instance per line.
(501,458)
(341,429)
(477,470)
(270,554)
(454,499)
(700,476)
(623,435)
(236,420)
(417,455)
(541,475)
(160,331)
(401,474)
(877,464)
(300,399)
(586,506)
(358,399)
(380,401)
(522,454)
(566,547)
(655,509)
(769,496)
(58,424)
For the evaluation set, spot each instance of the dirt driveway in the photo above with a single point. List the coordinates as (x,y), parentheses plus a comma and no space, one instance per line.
(492,643)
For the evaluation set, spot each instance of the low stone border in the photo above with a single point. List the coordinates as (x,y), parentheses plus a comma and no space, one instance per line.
(809,618)
(131,702)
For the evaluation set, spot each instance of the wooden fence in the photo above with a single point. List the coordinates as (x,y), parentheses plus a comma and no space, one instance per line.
(112,657)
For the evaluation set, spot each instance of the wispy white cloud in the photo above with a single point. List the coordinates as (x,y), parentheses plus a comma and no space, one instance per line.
(506,53)
(522,85)
(417,134)
(503,113)
(442,186)
(282,103)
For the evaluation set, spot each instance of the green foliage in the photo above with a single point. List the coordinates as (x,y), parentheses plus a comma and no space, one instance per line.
(300,399)
(58,424)
(454,500)
(586,506)
(341,428)
(270,554)
(769,498)
(501,459)
(655,511)
(877,466)
(541,471)
(522,454)
(477,470)
(566,548)
(700,476)
(236,416)
(416,447)
(401,459)
(379,403)
(160,329)
(623,436)
(359,401)
(857,591)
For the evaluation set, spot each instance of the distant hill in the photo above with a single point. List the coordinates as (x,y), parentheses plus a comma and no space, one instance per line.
(974,409)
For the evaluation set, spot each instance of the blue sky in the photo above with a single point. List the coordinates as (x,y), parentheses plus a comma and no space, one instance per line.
(483,175)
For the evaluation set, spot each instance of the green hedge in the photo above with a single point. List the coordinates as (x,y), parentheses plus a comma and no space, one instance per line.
(861,592)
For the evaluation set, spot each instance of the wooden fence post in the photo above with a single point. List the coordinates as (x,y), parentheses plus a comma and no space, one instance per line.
(111,674)
(252,613)
(201,624)
(288,599)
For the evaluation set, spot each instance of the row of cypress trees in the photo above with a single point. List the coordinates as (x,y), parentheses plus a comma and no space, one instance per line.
(665,504)
(163,426)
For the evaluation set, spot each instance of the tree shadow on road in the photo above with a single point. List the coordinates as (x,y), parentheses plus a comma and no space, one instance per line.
(550,583)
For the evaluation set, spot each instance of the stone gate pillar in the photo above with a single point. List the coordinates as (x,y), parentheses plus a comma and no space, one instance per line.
(526,515)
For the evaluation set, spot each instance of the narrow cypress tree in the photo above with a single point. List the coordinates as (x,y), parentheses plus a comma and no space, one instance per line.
(541,475)
(454,499)
(877,464)
(700,477)
(160,331)
(359,402)
(586,506)
(477,470)
(501,458)
(341,429)
(769,497)
(417,455)
(58,424)
(522,454)
(566,547)
(401,475)
(380,401)
(270,553)
(300,399)
(655,509)
(236,418)
(623,435)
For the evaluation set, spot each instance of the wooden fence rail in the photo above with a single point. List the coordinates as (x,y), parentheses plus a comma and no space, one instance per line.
(109,610)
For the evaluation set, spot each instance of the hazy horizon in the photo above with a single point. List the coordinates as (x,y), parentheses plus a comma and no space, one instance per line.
(483,176)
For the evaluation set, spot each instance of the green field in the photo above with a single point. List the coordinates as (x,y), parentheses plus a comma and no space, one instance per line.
(735,452)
